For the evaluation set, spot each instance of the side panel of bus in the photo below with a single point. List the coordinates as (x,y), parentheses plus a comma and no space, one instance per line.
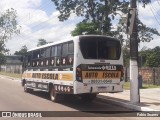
(54,68)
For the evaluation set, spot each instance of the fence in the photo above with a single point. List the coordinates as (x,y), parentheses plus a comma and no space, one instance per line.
(149,75)
(11,68)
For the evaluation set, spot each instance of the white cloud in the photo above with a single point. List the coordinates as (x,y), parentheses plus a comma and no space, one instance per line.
(31,16)
(147,15)
(6,4)
(30,39)
(151,44)
(36,23)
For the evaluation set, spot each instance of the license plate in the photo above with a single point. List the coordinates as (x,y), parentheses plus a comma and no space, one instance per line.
(101,89)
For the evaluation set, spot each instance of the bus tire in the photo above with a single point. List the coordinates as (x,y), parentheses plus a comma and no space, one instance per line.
(88,97)
(54,96)
(27,90)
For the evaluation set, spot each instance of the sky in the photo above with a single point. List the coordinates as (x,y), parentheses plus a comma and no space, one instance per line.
(39,19)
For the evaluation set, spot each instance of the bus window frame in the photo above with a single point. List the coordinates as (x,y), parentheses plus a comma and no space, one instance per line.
(36,60)
(47,57)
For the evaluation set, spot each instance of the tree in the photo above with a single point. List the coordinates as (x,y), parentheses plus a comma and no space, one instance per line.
(145,34)
(97,19)
(84,28)
(8,27)
(97,12)
(41,42)
(126,56)
(2,60)
(145,2)
(22,51)
(2,51)
(151,57)
(8,24)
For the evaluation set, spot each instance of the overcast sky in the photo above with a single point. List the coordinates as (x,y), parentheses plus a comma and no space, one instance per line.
(38,19)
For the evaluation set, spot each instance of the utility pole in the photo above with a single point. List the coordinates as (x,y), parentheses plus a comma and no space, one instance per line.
(134,90)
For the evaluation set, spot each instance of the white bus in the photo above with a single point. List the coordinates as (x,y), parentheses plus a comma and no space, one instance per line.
(83,65)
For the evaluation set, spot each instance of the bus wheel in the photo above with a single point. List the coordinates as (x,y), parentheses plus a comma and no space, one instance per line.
(88,97)
(27,90)
(53,95)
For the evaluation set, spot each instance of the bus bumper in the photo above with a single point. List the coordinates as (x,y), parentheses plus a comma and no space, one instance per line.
(80,88)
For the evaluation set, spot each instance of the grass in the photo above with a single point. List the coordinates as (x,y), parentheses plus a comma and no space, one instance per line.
(144,86)
(11,74)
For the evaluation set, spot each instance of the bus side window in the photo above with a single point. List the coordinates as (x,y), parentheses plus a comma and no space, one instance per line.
(55,59)
(36,58)
(70,58)
(70,48)
(47,56)
(58,55)
(64,54)
(42,57)
(29,59)
(53,54)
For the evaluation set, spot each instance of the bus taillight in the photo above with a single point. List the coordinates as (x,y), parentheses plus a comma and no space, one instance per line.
(122,73)
(79,74)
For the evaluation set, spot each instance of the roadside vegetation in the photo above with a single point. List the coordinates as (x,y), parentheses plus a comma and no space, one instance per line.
(144,86)
(14,75)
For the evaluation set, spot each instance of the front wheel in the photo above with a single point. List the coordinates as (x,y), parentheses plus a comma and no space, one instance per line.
(53,95)
(27,90)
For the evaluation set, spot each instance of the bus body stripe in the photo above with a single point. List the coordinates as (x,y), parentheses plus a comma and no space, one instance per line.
(49,76)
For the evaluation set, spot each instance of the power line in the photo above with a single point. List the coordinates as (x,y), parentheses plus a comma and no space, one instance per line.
(154,15)
(154,9)
(158,2)
(39,24)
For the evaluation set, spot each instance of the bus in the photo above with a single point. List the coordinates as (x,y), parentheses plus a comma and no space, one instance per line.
(84,65)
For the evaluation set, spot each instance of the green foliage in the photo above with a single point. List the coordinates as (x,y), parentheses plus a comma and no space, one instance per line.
(84,28)
(90,9)
(8,27)
(145,34)
(151,57)
(144,86)
(8,24)
(2,51)
(147,57)
(2,59)
(22,51)
(145,2)
(96,13)
(2,47)
(41,42)
(97,16)
(126,56)
(13,75)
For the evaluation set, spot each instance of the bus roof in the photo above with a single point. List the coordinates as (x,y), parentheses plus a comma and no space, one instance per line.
(66,40)
(54,43)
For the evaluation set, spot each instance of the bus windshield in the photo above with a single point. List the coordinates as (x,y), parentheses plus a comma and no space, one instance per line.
(100,48)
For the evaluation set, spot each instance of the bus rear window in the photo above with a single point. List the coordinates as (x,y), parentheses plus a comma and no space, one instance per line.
(100,48)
